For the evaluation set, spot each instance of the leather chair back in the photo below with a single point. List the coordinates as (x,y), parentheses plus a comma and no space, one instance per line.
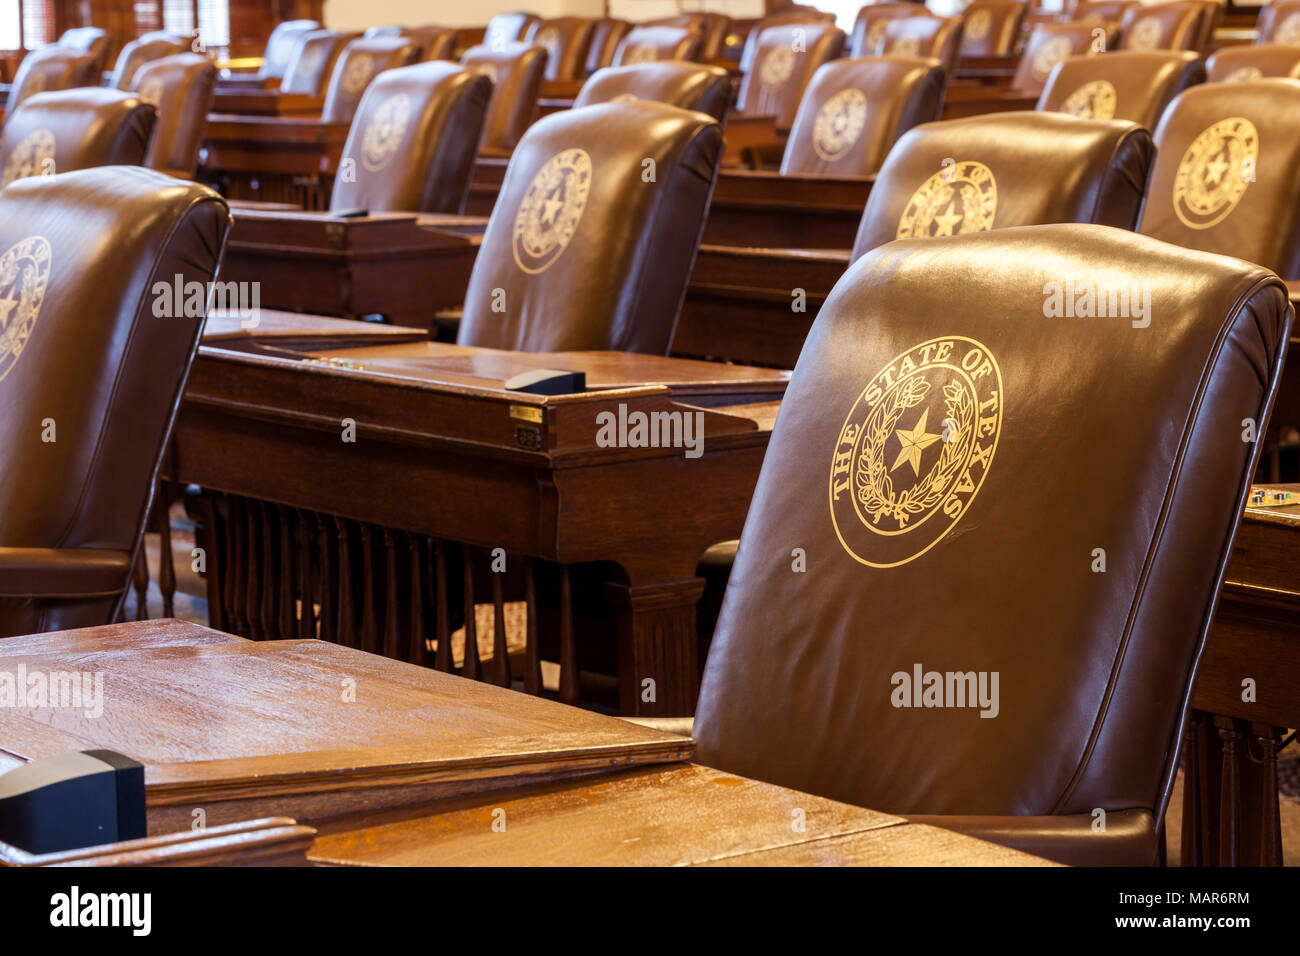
(785,58)
(1279,22)
(954,463)
(1224,177)
(651,44)
(991,27)
(359,63)
(1048,45)
(589,247)
(567,41)
(1233,64)
(414,139)
(84,345)
(1105,11)
(516,72)
(180,89)
(854,111)
(151,46)
(51,68)
(73,129)
(1162,26)
(1132,85)
(869,26)
(1006,169)
(312,62)
(92,40)
(712,28)
(607,36)
(508,28)
(436,43)
(690,86)
(280,47)
(936,37)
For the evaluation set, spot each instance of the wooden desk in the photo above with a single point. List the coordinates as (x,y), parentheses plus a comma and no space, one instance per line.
(402,266)
(272,158)
(415,768)
(975,99)
(290,329)
(768,210)
(448,466)
(740,303)
(253,100)
(1231,810)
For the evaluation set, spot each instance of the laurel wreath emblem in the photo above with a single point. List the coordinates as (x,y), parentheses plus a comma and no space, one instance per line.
(874,487)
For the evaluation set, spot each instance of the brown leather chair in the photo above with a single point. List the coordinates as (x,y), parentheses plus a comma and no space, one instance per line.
(712,28)
(413,141)
(1006,169)
(651,44)
(151,46)
(869,26)
(82,348)
(281,45)
(508,28)
(359,63)
(92,40)
(516,72)
(606,37)
(1279,22)
(74,129)
(991,27)
(690,86)
(1048,45)
(1224,179)
(1132,85)
(1233,64)
(51,68)
(567,41)
(1162,26)
(937,567)
(582,252)
(312,63)
(1105,11)
(936,37)
(854,111)
(180,87)
(779,73)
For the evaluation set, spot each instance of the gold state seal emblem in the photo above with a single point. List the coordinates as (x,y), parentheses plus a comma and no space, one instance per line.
(1049,54)
(641,53)
(1289,31)
(1215,171)
(1244,74)
(1146,34)
(385,131)
(839,124)
(24,276)
(551,209)
(357,74)
(777,67)
(1095,100)
(33,155)
(958,199)
(977,25)
(915,449)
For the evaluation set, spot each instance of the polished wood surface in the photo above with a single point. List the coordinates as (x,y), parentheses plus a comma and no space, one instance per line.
(300,728)
(443,450)
(272,158)
(273,327)
(767,209)
(275,841)
(235,726)
(401,266)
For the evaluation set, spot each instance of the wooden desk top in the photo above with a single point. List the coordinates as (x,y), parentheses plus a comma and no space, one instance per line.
(218,720)
(275,327)
(228,724)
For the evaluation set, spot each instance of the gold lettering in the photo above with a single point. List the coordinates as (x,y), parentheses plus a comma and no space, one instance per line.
(952,508)
(966,485)
(972,358)
(980,456)
(945,349)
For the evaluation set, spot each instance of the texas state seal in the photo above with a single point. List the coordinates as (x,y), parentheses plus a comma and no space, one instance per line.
(1215,171)
(24,277)
(551,208)
(914,450)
